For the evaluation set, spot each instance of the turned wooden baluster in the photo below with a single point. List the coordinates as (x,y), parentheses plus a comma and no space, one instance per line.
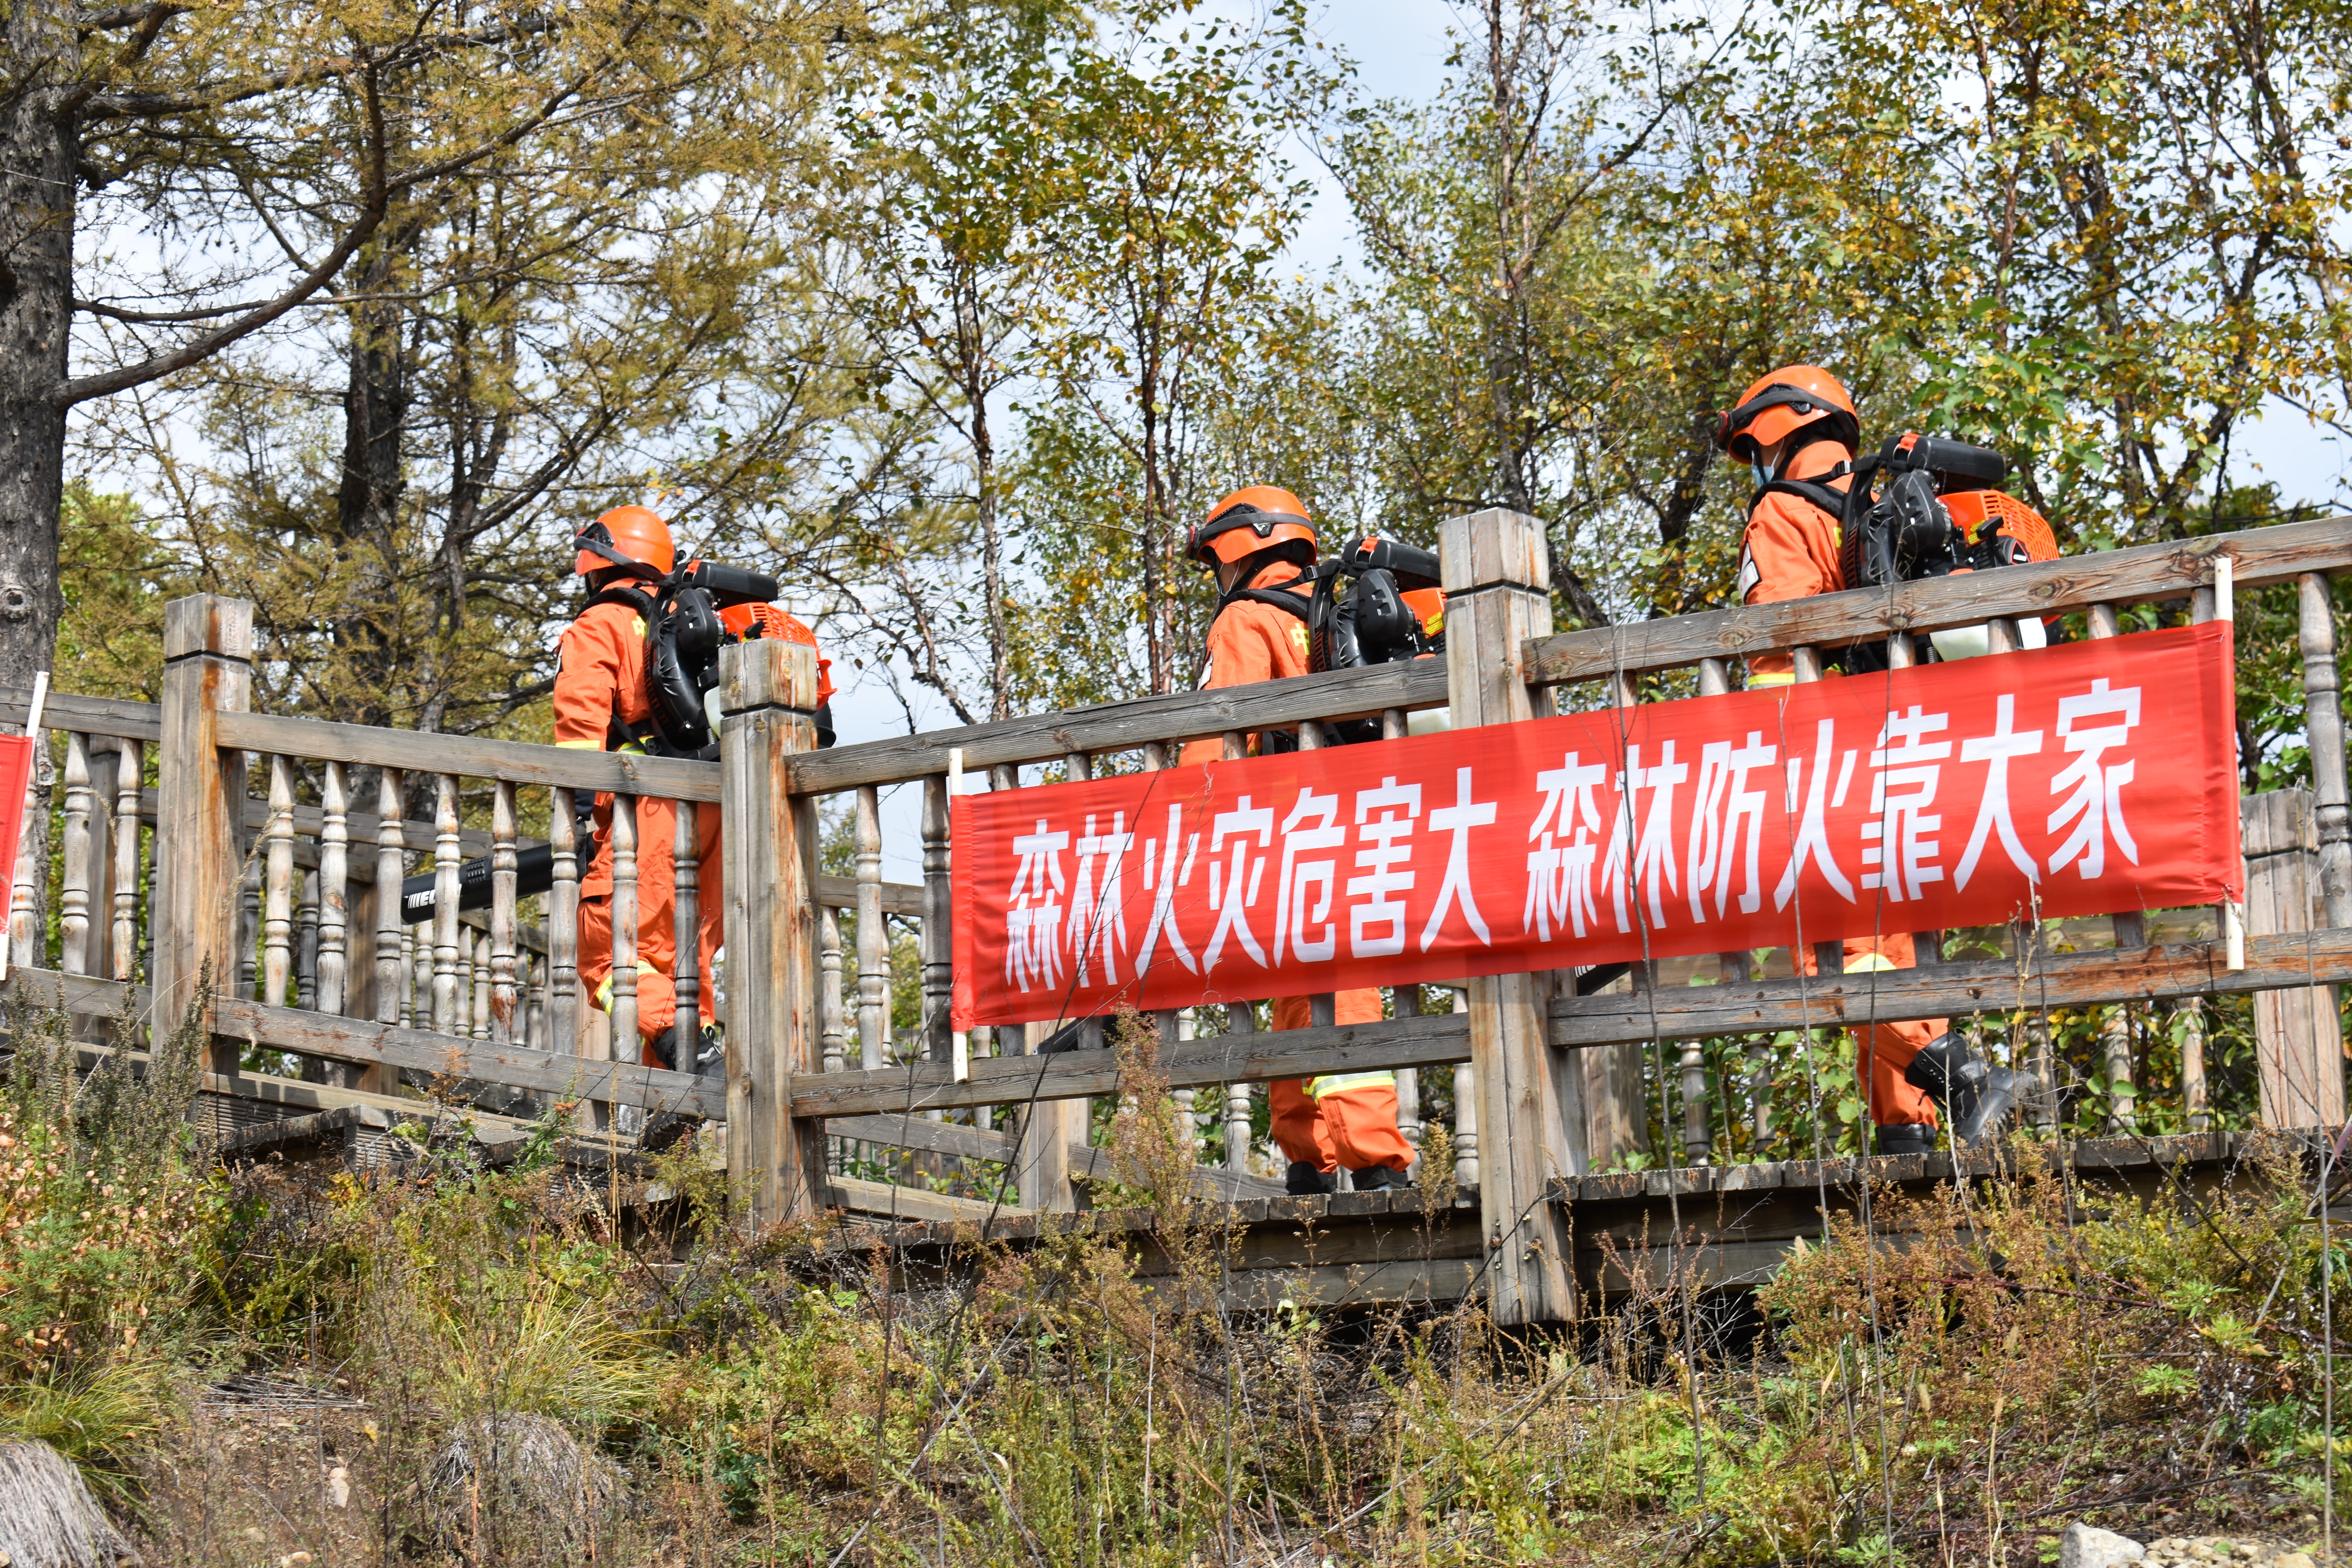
(686,936)
(335,889)
(502,911)
(1465,1113)
(832,1026)
(478,981)
(306,944)
(449,1002)
(872,935)
(248,924)
(73,868)
(2324,725)
(627,1043)
(392,935)
(278,890)
(128,778)
(938,924)
(563,924)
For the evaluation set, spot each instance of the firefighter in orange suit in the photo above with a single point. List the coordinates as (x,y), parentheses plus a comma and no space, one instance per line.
(1261,544)
(1797,430)
(600,703)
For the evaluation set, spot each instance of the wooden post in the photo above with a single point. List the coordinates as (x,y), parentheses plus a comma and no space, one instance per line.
(504,938)
(200,796)
(1498,575)
(768,691)
(2298,1041)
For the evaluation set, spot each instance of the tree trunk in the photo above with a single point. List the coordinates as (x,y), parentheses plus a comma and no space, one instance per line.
(37,147)
(367,502)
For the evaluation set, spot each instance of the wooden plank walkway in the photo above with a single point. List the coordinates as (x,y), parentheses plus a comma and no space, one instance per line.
(1739,1222)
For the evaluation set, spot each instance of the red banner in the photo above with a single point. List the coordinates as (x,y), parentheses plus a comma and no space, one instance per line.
(15,773)
(2092,778)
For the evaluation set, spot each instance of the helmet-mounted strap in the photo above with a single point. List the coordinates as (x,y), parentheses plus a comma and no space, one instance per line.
(1260,522)
(1779,395)
(597,540)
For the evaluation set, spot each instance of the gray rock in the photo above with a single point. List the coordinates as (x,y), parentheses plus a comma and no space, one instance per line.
(47,1517)
(2083,1547)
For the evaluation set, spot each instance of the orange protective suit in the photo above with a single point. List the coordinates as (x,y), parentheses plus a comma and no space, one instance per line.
(1790,552)
(599,685)
(1354,1127)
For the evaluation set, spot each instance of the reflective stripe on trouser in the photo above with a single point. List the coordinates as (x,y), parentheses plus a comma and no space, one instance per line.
(1336,1082)
(1886,1049)
(1355,1126)
(656,917)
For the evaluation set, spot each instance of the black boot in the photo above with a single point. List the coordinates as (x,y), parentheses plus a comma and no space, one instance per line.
(1975,1097)
(663,1047)
(1372,1178)
(1304,1181)
(1906,1138)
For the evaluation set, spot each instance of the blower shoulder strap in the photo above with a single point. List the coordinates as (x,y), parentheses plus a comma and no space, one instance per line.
(1279,597)
(1823,496)
(637,599)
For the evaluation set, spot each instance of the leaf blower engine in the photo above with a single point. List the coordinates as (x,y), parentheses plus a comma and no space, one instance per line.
(1927,506)
(683,636)
(1393,609)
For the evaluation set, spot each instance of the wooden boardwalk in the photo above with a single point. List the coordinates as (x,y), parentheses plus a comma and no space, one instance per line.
(1368,1249)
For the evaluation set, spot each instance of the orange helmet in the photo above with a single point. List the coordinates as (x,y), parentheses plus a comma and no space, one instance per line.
(749,621)
(1257,521)
(627,536)
(1786,401)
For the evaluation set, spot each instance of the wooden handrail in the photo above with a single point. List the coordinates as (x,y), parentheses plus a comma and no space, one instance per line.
(2068,979)
(415,751)
(2134,575)
(1954,990)
(369,1044)
(1123,726)
(85,715)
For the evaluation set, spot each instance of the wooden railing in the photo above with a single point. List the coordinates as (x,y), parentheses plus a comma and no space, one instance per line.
(314,821)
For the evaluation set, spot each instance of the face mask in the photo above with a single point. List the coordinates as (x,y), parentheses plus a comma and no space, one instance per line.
(1763,475)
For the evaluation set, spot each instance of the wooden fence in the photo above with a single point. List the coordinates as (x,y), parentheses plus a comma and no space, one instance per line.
(278,845)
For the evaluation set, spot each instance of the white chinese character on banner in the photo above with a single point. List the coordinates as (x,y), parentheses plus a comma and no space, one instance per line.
(1909,767)
(1312,826)
(1033,921)
(1993,814)
(1723,804)
(2097,800)
(1812,838)
(1560,875)
(1384,819)
(1653,852)
(1232,886)
(1098,913)
(1163,900)
(1458,819)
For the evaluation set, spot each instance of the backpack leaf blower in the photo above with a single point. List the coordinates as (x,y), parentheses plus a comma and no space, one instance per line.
(1393,609)
(1927,506)
(683,635)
